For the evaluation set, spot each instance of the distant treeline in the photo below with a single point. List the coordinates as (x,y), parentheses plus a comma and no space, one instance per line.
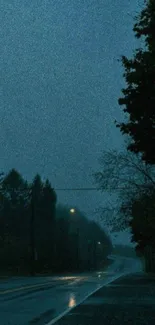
(124,250)
(31,223)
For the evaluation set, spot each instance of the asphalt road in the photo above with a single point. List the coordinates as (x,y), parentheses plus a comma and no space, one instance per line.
(129,300)
(44,300)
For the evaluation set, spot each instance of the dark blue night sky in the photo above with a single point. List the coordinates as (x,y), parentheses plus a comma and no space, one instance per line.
(59,86)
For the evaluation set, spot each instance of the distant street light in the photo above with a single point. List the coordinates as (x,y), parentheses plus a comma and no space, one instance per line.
(72,210)
(99,243)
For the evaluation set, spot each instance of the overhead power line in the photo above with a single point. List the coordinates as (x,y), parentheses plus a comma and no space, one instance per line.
(78,189)
(89,189)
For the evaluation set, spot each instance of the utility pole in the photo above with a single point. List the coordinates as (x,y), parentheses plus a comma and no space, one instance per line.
(32,236)
(94,254)
(89,255)
(77,248)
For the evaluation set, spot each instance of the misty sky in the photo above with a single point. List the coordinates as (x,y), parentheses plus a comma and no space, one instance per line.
(59,85)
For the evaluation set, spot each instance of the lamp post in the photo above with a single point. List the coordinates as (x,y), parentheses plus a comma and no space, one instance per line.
(73,211)
(96,245)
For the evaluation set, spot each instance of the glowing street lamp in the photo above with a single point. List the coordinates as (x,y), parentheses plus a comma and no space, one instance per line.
(72,210)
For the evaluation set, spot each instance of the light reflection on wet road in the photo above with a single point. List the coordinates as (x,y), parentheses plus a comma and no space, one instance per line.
(37,301)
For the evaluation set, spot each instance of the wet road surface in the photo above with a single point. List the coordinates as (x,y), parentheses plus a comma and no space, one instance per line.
(43,300)
(128,300)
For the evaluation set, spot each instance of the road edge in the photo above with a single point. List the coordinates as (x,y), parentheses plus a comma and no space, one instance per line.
(53,321)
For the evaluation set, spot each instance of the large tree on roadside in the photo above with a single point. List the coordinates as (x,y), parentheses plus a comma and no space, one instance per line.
(134,181)
(139,95)
(47,222)
(13,218)
(43,205)
(63,243)
(128,176)
(14,200)
(143,221)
